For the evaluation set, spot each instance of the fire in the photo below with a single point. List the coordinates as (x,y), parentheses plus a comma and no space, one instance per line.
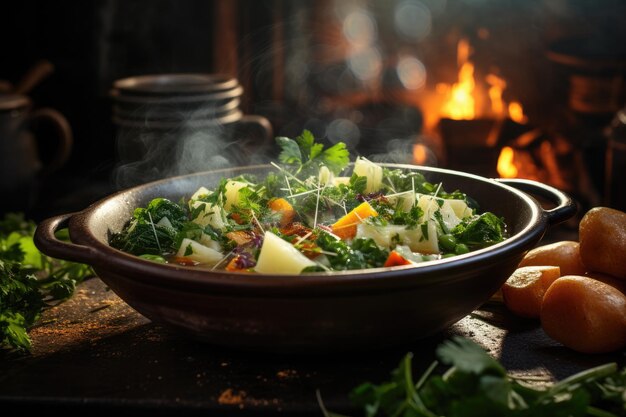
(516,112)
(468,99)
(420,154)
(461,103)
(497,86)
(506,168)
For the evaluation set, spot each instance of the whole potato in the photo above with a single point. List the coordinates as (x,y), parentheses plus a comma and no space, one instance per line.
(564,254)
(602,234)
(585,314)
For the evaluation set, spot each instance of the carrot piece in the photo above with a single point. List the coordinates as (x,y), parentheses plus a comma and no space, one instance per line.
(284,208)
(524,290)
(233,267)
(395,259)
(345,227)
(585,314)
(183,260)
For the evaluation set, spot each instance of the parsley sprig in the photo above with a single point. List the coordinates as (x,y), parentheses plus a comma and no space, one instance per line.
(305,156)
(29,281)
(476,385)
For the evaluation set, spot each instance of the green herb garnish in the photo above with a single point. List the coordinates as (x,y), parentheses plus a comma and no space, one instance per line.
(29,280)
(477,385)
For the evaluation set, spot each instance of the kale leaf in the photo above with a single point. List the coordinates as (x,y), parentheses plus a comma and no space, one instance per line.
(360,254)
(480,231)
(144,236)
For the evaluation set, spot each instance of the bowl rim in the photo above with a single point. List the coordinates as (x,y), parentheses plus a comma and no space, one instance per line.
(109,259)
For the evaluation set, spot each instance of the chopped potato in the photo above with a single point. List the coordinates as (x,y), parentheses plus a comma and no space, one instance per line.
(373,172)
(278,256)
(198,252)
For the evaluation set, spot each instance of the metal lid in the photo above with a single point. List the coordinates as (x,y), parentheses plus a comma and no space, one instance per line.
(13,101)
(175,84)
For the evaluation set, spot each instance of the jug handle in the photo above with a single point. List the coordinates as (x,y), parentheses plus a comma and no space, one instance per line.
(64,134)
(261,121)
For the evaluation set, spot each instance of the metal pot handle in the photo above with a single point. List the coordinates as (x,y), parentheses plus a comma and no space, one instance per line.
(565,206)
(47,242)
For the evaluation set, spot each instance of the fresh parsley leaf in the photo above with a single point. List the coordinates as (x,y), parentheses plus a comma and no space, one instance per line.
(29,280)
(477,385)
(467,356)
(290,151)
(306,156)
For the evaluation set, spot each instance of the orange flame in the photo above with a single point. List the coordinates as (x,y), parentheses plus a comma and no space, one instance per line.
(461,102)
(420,154)
(506,168)
(516,112)
(497,86)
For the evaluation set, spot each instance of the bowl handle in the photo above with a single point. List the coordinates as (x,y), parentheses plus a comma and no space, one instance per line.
(47,242)
(565,206)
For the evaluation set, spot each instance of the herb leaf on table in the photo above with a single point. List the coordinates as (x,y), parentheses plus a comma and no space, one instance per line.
(29,280)
(477,385)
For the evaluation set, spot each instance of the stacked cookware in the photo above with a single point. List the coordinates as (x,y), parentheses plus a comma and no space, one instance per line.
(173,124)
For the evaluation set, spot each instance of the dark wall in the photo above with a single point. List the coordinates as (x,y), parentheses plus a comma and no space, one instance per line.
(92,43)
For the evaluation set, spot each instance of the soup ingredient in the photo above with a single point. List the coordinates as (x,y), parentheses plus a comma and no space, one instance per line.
(523,292)
(475,384)
(29,280)
(345,227)
(585,314)
(278,256)
(602,234)
(373,172)
(197,252)
(396,259)
(304,203)
(564,254)
(284,209)
(305,156)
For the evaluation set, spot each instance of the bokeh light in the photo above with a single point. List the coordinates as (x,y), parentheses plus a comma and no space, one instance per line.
(366,64)
(359,28)
(344,130)
(411,72)
(413,20)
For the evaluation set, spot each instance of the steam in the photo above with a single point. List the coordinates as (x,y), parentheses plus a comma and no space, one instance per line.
(342,54)
(151,153)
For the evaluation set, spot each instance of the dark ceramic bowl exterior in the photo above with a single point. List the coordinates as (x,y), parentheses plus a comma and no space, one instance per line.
(314,312)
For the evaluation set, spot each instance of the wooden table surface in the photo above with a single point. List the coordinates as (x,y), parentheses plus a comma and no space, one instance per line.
(94,354)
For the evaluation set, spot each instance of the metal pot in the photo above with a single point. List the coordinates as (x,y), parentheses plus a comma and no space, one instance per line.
(362,309)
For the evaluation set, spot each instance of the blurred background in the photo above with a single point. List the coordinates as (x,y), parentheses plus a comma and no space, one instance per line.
(529,89)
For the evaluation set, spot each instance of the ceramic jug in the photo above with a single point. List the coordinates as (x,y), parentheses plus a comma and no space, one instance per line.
(20,161)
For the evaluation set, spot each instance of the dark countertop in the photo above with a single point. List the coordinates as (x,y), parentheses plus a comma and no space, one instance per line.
(95,354)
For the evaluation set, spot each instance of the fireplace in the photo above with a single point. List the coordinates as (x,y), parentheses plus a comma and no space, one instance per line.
(500,89)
